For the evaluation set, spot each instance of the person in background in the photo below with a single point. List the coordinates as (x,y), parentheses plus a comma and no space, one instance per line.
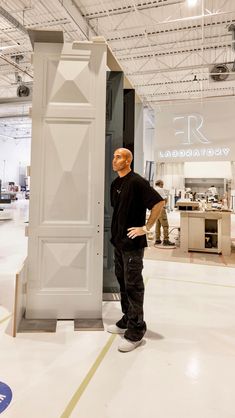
(212,191)
(162,220)
(131,195)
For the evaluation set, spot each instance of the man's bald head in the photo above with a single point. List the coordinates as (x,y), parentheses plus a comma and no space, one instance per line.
(126,152)
(122,160)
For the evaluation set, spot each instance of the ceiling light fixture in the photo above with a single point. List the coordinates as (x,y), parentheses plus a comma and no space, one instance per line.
(3,48)
(192,3)
(195,78)
(5,137)
(23,91)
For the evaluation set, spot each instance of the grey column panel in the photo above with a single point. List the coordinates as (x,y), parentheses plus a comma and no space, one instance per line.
(114,140)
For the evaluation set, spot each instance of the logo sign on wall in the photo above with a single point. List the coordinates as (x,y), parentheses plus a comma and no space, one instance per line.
(195,132)
(5,396)
(189,129)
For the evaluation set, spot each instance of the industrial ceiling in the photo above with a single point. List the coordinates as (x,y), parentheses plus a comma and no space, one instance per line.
(170,50)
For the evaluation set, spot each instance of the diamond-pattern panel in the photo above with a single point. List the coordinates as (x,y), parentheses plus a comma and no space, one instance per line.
(70,84)
(67,187)
(64,265)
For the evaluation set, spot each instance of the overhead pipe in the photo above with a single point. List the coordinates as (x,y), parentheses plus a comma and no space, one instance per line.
(13,21)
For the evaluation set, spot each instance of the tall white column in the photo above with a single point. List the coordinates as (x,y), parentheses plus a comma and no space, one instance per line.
(65,252)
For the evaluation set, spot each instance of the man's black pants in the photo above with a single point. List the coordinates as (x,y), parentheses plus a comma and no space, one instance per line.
(128,270)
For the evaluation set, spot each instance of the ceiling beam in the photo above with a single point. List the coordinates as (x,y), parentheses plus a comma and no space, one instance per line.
(168,22)
(165,45)
(7,16)
(169,30)
(15,116)
(15,100)
(187,99)
(75,14)
(127,9)
(175,52)
(198,90)
(146,85)
(166,70)
(15,65)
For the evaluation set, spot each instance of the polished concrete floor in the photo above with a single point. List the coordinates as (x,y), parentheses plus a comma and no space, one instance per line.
(184,368)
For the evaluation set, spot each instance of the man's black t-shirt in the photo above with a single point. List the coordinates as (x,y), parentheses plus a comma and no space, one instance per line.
(131,195)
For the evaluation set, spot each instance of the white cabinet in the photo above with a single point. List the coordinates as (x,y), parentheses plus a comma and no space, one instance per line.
(196,230)
(205,231)
(204,234)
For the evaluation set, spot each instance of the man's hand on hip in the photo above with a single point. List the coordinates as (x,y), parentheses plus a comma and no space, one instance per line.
(135,231)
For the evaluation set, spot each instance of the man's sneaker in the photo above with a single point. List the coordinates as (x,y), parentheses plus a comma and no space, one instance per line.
(158,241)
(114,329)
(169,243)
(128,345)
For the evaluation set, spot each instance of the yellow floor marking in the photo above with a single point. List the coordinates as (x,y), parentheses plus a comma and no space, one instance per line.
(146,280)
(77,395)
(4,319)
(191,281)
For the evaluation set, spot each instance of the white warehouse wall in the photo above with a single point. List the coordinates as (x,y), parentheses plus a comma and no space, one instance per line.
(149,136)
(208,169)
(13,156)
(139,139)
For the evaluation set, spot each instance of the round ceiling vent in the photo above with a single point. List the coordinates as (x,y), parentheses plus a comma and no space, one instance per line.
(220,72)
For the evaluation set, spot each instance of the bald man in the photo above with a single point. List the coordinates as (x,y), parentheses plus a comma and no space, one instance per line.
(131,195)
